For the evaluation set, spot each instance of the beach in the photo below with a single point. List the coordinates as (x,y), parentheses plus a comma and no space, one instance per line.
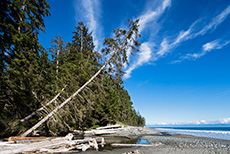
(157,142)
(175,144)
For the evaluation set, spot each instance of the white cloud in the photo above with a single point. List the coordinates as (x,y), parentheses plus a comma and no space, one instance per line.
(183,35)
(215,22)
(224,121)
(165,47)
(144,56)
(144,19)
(213,45)
(89,11)
(189,34)
(165,4)
(201,122)
(210,46)
(151,15)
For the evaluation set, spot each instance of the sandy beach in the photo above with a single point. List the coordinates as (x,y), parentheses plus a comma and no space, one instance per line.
(175,144)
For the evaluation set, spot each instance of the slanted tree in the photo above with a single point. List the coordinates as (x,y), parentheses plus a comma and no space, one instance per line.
(118,47)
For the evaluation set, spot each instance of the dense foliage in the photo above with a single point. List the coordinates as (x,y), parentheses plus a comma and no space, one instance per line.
(31,76)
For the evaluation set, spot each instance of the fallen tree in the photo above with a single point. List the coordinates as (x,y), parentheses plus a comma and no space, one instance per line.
(43,107)
(119,50)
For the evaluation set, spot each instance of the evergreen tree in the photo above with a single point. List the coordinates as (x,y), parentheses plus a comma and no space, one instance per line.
(20,23)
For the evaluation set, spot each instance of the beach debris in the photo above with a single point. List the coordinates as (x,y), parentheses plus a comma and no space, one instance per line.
(29,139)
(92,139)
(50,145)
(110,127)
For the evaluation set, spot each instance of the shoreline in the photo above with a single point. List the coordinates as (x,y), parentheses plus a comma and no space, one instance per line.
(166,143)
(174,144)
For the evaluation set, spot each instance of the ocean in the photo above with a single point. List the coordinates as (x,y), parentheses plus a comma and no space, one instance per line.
(211,132)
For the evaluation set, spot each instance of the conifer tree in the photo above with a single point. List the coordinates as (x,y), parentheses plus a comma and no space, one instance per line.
(20,23)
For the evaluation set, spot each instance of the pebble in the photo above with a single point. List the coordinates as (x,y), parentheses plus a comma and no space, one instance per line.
(189,144)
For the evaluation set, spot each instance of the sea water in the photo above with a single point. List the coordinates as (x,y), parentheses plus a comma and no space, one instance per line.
(211,132)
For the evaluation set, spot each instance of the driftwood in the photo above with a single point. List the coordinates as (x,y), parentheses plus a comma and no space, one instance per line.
(113,129)
(61,144)
(100,132)
(110,127)
(28,139)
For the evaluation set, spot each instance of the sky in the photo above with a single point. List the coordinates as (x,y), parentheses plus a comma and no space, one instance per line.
(182,73)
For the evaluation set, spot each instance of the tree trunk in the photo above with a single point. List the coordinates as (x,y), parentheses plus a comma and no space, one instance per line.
(79,90)
(42,108)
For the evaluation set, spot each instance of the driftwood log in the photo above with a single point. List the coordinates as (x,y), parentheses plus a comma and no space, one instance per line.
(113,129)
(60,144)
(110,127)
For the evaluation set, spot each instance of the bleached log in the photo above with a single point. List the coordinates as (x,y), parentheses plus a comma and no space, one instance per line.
(61,150)
(19,148)
(83,147)
(58,144)
(19,138)
(110,127)
(101,132)
(86,140)
(93,143)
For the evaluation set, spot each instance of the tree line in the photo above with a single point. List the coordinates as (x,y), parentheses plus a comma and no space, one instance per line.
(31,75)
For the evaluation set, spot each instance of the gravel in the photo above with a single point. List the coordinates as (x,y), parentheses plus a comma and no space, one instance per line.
(183,144)
(173,144)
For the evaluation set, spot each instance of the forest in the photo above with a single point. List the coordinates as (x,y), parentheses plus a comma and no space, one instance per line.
(34,81)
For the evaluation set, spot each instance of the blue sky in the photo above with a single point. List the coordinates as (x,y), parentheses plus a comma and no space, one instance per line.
(181,74)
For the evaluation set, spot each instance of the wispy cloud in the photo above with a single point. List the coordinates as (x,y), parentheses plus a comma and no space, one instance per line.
(166,47)
(190,34)
(144,56)
(144,19)
(152,15)
(89,11)
(217,20)
(213,45)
